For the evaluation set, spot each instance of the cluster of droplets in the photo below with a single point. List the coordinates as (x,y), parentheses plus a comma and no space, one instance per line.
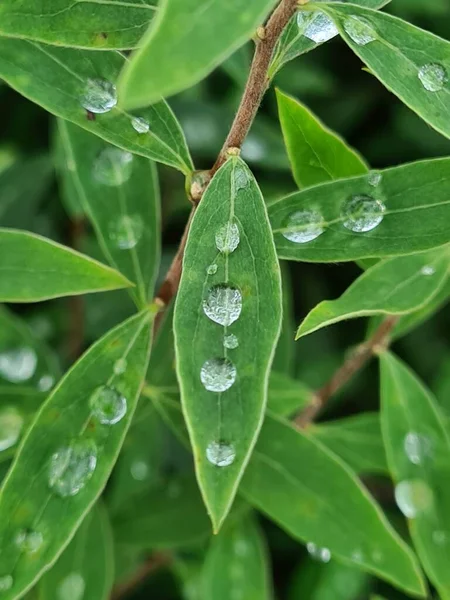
(318,553)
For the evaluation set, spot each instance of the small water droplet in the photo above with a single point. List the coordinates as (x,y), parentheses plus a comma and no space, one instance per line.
(218,374)
(99,96)
(417,447)
(362,213)
(374,178)
(11,423)
(140,125)
(433,77)
(29,541)
(212,269)
(230,341)
(228,238)
(71,467)
(428,270)
(108,405)
(413,497)
(223,304)
(357,556)
(241,179)
(113,167)
(72,587)
(220,454)
(18,365)
(45,383)
(139,470)
(120,366)
(6,583)
(303,226)
(439,538)
(241,547)
(126,231)
(321,554)
(318,28)
(360,30)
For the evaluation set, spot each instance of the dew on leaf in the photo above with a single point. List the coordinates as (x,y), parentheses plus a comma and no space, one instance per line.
(223,304)
(6,583)
(120,366)
(428,270)
(303,226)
(319,28)
(71,467)
(45,383)
(139,470)
(18,365)
(220,454)
(433,77)
(362,213)
(359,30)
(241,179)
(113,167)
(11,424)
(140,125)
(227,238)
(99,96)
(29,541)
(126,231)
(108,405)
(218,374)
(72,587)
(417,447)
(374,178)
(230,341)
(212,269)
(413,497)
(321,554)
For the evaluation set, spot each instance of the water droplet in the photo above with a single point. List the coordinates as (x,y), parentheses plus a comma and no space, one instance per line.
(319,27)
(374,178)
(220,454)
(439,538)
(18,365)
(71,587)
(230,341)
(218,374)
(303,226)
(71,467)
(357,556)
(433,77)
(322,554)
(11,423)
(45,383)
(428,270)
(29,541)
(228,238)
(241,180)
(126,231)
(6,583)
(241,547)
(223,304)
(113,167)
(108,405)
(413,497)
(139,470)
(99,96)
(360,30)
(140,125)
(120,366)
(417,447)
(362,213)
(212,269)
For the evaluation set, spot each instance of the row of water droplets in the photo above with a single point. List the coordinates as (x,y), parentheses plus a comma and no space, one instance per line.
(223,305)
(319,27)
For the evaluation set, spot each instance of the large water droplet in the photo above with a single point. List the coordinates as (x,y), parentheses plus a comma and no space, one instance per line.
(108,405)
(72,587)
(374,178)
(139,470)
(360,30)
(71,467)
(126,231)
(99,96)
(321,554)
(417,447)
(428,270)
(303,226)
(433,77)
(362,213)
(113,167)
(11,423)
(223,304)
(413,497)
(18,365)
(140,125)
(228,238)
(6,583)
(45,383)
(29,541)
(319,27)
(230,341)
(220,454)
(218,374)
(212,269)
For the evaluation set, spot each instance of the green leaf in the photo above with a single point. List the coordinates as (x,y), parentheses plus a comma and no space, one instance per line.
(406,212)
(186,41)
(65,460)
(227,321)
(96,25)
(418,452)
(236,563)
(86,567)
(357,440)
(412,63)
(33,268)
(394,286)
(283,360)
(286,395)
(66,81)
(120,194)
(320,504)
(296,38)
(316,153)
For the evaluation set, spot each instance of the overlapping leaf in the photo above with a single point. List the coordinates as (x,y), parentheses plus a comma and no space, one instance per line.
(227,322)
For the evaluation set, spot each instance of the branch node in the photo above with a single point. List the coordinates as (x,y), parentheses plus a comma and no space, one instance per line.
(261,33)
(233,151)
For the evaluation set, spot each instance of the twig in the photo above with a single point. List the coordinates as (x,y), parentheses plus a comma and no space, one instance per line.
(154,563)
(352,365)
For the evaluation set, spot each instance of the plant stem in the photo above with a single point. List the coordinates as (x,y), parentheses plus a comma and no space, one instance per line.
(152,564)
(358,359)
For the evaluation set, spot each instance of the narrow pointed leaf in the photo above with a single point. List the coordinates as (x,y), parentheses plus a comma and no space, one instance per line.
(33,268)
(86,567)
(319,504)
(94,25)
(407,211)
(395,286)
(287,395)
(185,42)
(65,82)
(65,460)
(418,452)
(283,360)
(316,153)
(227,321)
(412,63)
(119,193)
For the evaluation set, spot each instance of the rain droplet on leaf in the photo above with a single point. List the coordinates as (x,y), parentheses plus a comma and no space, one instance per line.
(374,178)
(303,226)
(321,554)
(11,424)
(241,179)
(362,213)
(212,269)
(139,470)
(72,587)
(417,447)
(99,96)
(45,383)
(227,238)
(220,454)
(230,341)
(126,231)
(71,467)
(413,497)
(113,167)
(218,374)
(359,30)
(140,125)
(29,541)
(120,366)
(223,304)
(18,365)
(108,405)
(320,28)
(428,270)
(433,77)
